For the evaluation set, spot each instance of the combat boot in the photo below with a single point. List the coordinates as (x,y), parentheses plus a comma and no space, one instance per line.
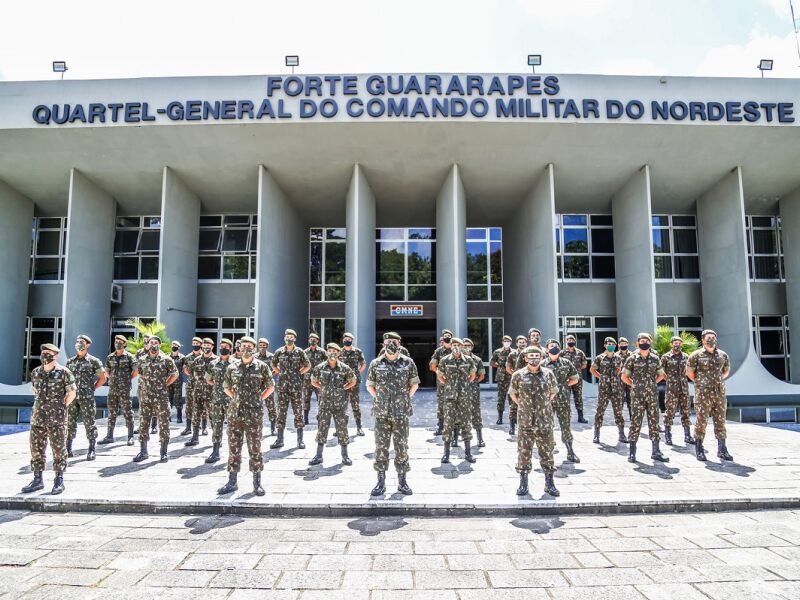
(622,438)
(109,439)
(179,414)
(231,486)
(58,484)
(272,427)
(195,437)
(446,456)
(164,456)
(35,485)
(278,443)
(380,487)
(499,417)
(687,435)
(656,454)
(188,429)
(699,451)
(439,427)
(722,451)
(468,453)
(402,485)
(454,443)
(317,460)
(571,456)
(214,456)
(69,449)
(153,425)
(205,426)
(513,429)
(550,486)
(522,490)
(359,431)
(305,416)
(345,456)
(668,435)
(596,438)
(632,452)
(481,443)
(580,417)
(257,489)
(90,453)
(300,443)
(130,434)
(143,455)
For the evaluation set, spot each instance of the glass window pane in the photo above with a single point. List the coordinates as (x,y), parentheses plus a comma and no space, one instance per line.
(315,293)
(205,323)
(477,292)
(764,241)
(558,240)
(573,219)
(126,268)
(316,234)
(237,219)
(48,243)
(335,263)
(128,222)
(390,234)
(766,267)
(603,267)
(228,323)
(336,234)
(776,366)
(668,321)
(51,223)
(420,277)
(126,241)
(605,322)
(315,263)
(576,267)
(602,240)
(685,241)
(210,221)
(421,233)
(689,322)
(391,262)
(683,220)
(763,221)
(149,268)
(660,220)
(235,267)
(476,233)
(497,293)
(601,220)
(770,321)
(235,240)
(150,241)
(771,342)
(496,234)
(253,273)
(422,292)
(478,332)
(334,292)
(576,240)
(209,240)
(687,267)
(496,261)
(208,267)
(663,267)
(390,292)
(151,222)
(43,322)
(477,264)
(253,241)
(660,240)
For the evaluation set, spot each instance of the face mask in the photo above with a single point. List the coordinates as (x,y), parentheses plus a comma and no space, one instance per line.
(456,349)
(677,348)
(533,359)
(206,350)
(506,344)
(610,347)
(312,343)
(467,350)
(119,345)
(347,343)
(289,341)
(47,358)
(555,351)
(711,343)
(644,346)
(447,340)
(520,345)
(571,344)
(195,347)
(535,340)
(80,346)
(392,348)
(154,349)
(623,348)
(247,353)
(224,351)
(332,355)
(175,348)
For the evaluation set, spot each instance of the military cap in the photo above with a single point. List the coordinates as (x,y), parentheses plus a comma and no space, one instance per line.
(522,337)
(676,338)
(708,332)
(226,341)
(644,335)
(610,339)
(532,350)
(50,347)
(552,341)
(468,341)
(534,330)
(447,332)
(290,332)
(154,337)
(347,334)
(333,346)
(197,339)
(85,338)
(260,340)
(121,338)
(570,336)
(507,338)
(391,335)
(176,343)
(313,335)
(208,341)
(247,340)
(456,340)
(624,339)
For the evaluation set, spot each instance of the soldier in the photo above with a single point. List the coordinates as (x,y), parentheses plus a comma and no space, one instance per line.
(332,378)
(677,392)
(606,368)
(197,344)
(392,380)
(290,363)
(475,391)
(623,352)
(441,351)
(576,356)
(175,391)
(85,368)
(203,392)
(122,369)
(708,367)
(156,372)
(501,377)
(53,391)
(248,382)
(455,373)
(642,371)
(265,356)
(215,377)
(566,376)
(237,349)
(533,389)
(353,357)
(315,356)
(403,349)
(511,363)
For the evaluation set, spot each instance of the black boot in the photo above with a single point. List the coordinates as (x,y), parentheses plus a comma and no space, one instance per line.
(153,425)
(632,452)
(109,439)
(668,435)
(380,487)
(231,486)
(300,443)
(513,429)
(522,490)
(402,485)
(596,438)
(188,429)
(656,454)
(179,414)
(58,484)
(90,453)
(571,457)
(305,416)
(687,436)
(468,453)
(214,456)
(317,460)
(35,485)
(446,456)
(722,451)
(699,451)
(454,443)
(550,486)
(272,427)
(346,460)
(359,431)
(439,427)
(580,417)
(130,434)
(195,437)
(278,443)
(143,455)
(69,449)
(481,443)
(622,438)
(499,417)
(205,427)
(164,457)
(257,489)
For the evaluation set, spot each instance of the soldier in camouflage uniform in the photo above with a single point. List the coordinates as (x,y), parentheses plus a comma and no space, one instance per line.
(237,349)
(511,363)
(315,356)
(290,364)
(677,392)
(265,356)
(332,377)
(566,376)
(576,356)
(475,416)
(156,372)
(85,368)
(392,380)
(501,377)
(455,374)
(53,392)
(403,349)
(196,353)
(442,350)
(623,352)
(708,367)
(122,369)
(353,357)
(642,371)
(247,383)
(533,389)
(606,368)
(215,377)
(203,392)
(175,390)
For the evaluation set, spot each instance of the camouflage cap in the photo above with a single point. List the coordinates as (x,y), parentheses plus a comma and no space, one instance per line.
(154,337)
(50,347)
(610,339)
(447,332)
(391,335)
(624,339)
(247,340)
(456,340)
(226,341)
(313,336)
(676,338)
(552,341)
(120,338)
(507,338)
(333,346)
(85,338)
(290,332)
(644,336)
(570,336)
(708,332)
(468,341)
(176,343)
(532,350)
(347,334)
(534,330)
(208,341)
(260,340)
(197,339)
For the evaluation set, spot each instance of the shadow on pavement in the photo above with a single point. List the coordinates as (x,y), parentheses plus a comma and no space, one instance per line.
(730,467)
(200,525)
(658,469)
(453,471)
(202,469)
(129,467)
(538,525)
(312,472)
(373,526)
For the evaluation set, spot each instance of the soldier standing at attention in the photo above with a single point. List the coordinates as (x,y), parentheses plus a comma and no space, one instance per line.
(140,354)
(566,376)
(392,380)
(215,377)
(455,373)
(237,349)
(197,344)
(606,368)
(122,369)
(290,363)
(501,377)
(315,356)
(156,372)
(576,356)
(332,377)
(265,356)
(475,391)
(511,362)
(248,382)
(53,392)
(624,353)
(677,392)
(85,368)
(533,389)
(202,391)
(441,351)
(175,391)
(708,367)
(353,357)
(534,339)
(642,371)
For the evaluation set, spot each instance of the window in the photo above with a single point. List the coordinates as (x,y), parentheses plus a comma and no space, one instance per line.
(328,329)
(675,247)
(771,340)
(227,248)
(120,326)
(326,274)
(217,328)
(484,263)
(678,323)
(136,248)
(584,247)
(589,334)
(486,334)
(40,330)
(406,263)
(764,248)
(48,249)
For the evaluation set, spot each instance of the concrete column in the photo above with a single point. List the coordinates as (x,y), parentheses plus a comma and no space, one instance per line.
(633,256)
(176,304)
(89,264)
(451,255)
(359,307)
(15,248)
(282,277)
(790,226)
(530,285)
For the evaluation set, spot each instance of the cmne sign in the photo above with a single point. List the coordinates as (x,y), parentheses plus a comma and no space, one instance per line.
(405,310)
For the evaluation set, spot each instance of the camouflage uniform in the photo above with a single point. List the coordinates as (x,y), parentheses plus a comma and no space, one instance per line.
(498,360)
(153,397)
(564,371)
(175,390)
(353,358)
(456,395)
(332,399)
(203,392)
(677,392)
(269,401)
(392,409)
(578,359)
(403,350)
(85,370)
(609,388)
(535,417)
(475,393)
(120,367)
(438,354)
(511,363)
(246,411)
(290,384)
(191,386)
(709,391)
(49,416)
(643,370)
(215,376)
(315,355)
(625,388)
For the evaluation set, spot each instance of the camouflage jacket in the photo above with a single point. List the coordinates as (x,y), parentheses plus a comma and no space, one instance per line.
(577,358)
(49,389)
(438,355)
(499,358)
(708,368)
(188,362)
(85,370)
(608,367)
(392,380)
(533,391)
(180,361)
(247,382)
(479,370)
(456,372)
(315,356)
(564,371)
(623,356)
(120,367)
(353,358)
(153,374)
(199,366)
(511,361)
(332,380)
(215,376)
(289,364)
(643,370)
(674,366)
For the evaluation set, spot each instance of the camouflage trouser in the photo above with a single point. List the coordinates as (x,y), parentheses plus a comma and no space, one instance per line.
(710,404)
(353,396)
(439,401)
(457,415)
(563,412)
(158,408)
(527,438)
(219,407)
(269,402)
(626,397)
(339,417)
(641,403)
(391,429)
(475,408)
(55,433)
(576,391)
(85,407)
(502,394)
(674,400)
(174,392)
(604,396)
(245,423)
(190,387)
(308,391)
(294,398)
(119,401)
(203,393)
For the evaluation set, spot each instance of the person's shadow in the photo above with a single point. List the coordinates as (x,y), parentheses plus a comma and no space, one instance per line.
(730,467)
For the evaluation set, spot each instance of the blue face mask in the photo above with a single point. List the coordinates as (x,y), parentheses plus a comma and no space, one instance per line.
(555,351)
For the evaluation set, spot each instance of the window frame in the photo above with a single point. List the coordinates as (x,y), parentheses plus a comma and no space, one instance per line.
(562,254)
(251,252)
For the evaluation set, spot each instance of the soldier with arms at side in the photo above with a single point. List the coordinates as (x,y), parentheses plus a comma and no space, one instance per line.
(606,368)
(511,363)
(290,364)
(677,392)
(475,391)
(315,356)
(215,377)
(175,390)
(455,374)
(89,375)
(156,372)
(576,356)
(121,366)
(188,360)
(353,357)
(502,378)
(567,376)
(265,356)
(442,350)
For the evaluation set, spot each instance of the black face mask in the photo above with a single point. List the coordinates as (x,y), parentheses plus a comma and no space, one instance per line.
(224,351)
(623,348)
(447,340)
(175,348)
(347,343)
(195,347)
(644,346)
(555,351)
(571,344)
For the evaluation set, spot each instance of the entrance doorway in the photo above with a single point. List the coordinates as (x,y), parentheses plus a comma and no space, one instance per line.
(419,336)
